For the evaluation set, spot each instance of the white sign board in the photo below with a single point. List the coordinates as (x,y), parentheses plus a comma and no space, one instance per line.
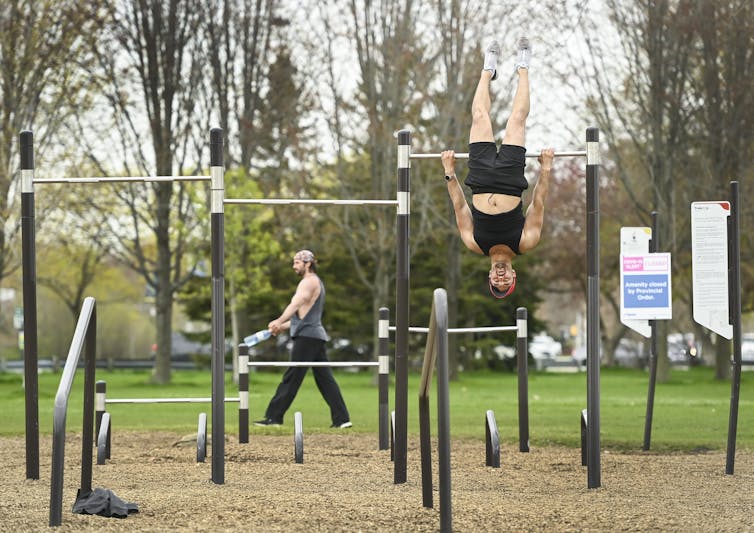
(635,241)
(645,284)
(709,266)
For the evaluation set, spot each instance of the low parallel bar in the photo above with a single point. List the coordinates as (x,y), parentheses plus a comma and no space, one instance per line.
(461,155)
(313,363)
(121,179)
(165,400)
(414,329)
(291,201)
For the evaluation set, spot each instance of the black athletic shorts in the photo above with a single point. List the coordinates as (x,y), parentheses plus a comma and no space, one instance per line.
(496,171)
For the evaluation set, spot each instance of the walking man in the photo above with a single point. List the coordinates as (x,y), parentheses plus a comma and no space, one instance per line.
(303,316)
(495,224)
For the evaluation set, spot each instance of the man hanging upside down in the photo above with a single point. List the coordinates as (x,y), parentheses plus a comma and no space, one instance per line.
(495,224)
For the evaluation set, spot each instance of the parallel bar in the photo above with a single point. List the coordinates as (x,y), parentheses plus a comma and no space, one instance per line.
(522,357)
(425,434)
(121,179)
(243,393)
(573,153)
(312,201)
(384,377)
(100,397)
(417,329)
(87,428)
(443,410)
(82,341)
(313,363)
(109,401)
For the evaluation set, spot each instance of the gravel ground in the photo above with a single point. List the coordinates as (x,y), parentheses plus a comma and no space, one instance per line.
(346,484)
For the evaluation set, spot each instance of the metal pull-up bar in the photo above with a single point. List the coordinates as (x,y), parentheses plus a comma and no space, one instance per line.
(574,153)
(488,329)
(120,179)
(310,201)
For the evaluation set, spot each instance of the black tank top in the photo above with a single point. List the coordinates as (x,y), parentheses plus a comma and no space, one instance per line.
(505,228)
(311,324)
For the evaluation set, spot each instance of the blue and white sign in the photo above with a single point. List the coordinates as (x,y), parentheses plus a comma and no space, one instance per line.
(645,287)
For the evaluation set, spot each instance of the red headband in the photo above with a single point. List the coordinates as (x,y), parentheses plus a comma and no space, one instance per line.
(497,293)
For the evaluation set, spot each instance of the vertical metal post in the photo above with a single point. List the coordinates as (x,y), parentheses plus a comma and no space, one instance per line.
(401,309)
(87,438)
(383,333)
(654,247)
(425,442)
(443,408)
(243,393)
(100,402)
(593,306)
(218,305)
(523,378)
(734,300)
(28,250)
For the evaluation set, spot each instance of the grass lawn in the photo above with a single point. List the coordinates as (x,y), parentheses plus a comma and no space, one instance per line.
(691,410)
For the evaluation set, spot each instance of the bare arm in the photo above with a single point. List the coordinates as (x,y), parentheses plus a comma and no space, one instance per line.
(463,214)
(535,213)
(305,293)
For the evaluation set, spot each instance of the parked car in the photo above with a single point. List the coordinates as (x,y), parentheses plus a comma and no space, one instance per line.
(747,349)
(544,349)
(504,352)
(683,349)
(344,350)
(579,354)
(630,353)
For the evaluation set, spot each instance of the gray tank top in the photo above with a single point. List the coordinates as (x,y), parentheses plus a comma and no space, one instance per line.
(311,325)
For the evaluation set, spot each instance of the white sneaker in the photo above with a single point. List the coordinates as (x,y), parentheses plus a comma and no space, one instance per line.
(344,425)
(524,53)
(490,58)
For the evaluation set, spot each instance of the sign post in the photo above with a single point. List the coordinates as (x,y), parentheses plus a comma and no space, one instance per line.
(716,275)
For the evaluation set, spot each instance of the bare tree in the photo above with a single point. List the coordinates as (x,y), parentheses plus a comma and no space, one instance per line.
(391,73)
(645,100)
(41,46)
(724,122)
(152,47)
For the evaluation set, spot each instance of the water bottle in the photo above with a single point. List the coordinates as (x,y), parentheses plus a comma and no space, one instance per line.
(256,338)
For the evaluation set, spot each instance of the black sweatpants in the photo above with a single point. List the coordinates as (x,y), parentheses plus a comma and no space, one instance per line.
(308,349)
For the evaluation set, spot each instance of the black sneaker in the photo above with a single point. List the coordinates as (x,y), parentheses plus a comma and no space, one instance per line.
(267,422)
(344,425)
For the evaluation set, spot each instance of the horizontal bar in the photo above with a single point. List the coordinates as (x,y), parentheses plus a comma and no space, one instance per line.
(574,153)
(165,400)
(121,179)
(313,363)
(286,201)
(462,330)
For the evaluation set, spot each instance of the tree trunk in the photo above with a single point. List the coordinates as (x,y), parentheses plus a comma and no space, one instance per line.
(164,317)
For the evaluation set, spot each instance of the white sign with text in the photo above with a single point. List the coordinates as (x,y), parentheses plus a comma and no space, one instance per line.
(709,266)
(635,241)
